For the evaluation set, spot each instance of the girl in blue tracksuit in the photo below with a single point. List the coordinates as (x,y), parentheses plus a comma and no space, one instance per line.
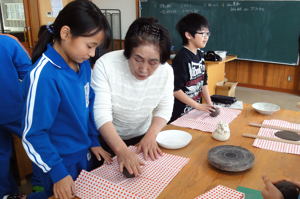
(59,127)
(14,64)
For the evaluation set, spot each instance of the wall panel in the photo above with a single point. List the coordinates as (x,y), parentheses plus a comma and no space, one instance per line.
(264,75)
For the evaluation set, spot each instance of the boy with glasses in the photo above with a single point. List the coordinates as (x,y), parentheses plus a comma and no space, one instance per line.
(190,83)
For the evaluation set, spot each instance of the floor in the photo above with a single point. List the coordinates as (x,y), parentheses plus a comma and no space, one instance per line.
(247,95)
(284,100)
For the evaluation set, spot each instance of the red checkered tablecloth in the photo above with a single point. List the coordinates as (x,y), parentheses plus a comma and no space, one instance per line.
(201,120)
(90,186)
(273,145)
(222,192)
(107,181)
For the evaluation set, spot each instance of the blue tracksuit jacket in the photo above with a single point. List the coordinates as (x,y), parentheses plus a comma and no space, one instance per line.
(14,64)
(59,119)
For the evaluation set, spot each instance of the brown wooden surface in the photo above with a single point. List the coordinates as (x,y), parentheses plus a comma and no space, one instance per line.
(216,72)
(23,163)
(264,75)
(198,176)
(32,22)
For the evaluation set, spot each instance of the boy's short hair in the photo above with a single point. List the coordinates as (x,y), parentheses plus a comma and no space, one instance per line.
(191,23)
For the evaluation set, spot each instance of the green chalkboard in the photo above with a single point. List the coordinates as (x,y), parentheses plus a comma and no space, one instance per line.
(266,31)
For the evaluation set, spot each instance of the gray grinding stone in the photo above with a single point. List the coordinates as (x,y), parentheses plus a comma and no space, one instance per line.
(288,135)
(230,158)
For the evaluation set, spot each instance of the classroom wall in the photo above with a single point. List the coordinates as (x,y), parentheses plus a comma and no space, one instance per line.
(127,7)
(45,11)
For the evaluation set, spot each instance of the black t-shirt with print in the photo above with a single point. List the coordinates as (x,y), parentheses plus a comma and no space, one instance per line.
(189,76)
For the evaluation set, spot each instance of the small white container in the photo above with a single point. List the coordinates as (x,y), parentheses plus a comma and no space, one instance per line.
(222,132)
(221,53)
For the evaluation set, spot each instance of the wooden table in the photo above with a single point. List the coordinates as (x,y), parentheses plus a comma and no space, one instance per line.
(198,176)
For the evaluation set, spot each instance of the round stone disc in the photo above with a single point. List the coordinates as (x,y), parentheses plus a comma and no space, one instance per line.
(288,135)
(230,158)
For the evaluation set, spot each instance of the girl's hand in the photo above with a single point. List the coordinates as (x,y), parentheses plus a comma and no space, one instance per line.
(270,191)
(130,160)
(99,152)
(149,147)
(64,189)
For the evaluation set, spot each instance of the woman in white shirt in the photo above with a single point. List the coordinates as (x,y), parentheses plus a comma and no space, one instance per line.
(134,93)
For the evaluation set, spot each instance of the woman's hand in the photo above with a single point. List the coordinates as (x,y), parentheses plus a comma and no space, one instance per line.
(149,147)
(99,152)
(130,160)
(64,189)
(205,107)
(270,191)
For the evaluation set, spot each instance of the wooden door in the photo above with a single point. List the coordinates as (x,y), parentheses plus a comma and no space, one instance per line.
(15,22)
(32,23)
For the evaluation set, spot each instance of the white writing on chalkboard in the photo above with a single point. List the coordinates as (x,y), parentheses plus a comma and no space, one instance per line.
(165,6)
(168,12)
(251,29)
(185,6)
(235,6)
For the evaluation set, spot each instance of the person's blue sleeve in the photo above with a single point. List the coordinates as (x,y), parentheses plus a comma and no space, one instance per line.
(21,60)
(93,132)
(42,105)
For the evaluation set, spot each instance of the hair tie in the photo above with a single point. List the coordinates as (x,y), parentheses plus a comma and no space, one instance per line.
(50,29)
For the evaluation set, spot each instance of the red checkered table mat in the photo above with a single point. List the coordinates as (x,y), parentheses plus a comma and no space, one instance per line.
(201,120)
(107,181)
(273,145)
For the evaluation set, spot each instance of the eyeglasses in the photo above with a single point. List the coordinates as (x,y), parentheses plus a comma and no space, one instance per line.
(203,34)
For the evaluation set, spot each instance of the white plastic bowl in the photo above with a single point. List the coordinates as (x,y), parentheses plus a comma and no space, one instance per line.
(265,108)
(173,139)
(221,53)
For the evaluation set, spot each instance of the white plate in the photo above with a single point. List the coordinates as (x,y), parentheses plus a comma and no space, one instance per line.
(173,139)
(265,108)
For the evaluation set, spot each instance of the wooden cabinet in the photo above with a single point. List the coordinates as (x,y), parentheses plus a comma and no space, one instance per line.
(216,72)
(269,76)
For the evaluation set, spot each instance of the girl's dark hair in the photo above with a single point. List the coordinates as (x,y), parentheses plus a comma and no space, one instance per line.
(147,30)
(83,18)
(191,23)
